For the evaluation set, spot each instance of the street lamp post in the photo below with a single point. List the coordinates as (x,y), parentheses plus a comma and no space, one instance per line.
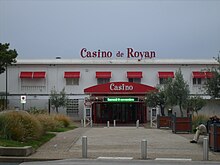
(6,87)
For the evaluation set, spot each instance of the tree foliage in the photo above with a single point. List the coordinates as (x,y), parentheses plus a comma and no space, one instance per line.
(213,84)
(177,91)
(194,104)
(156,98)
(58,99)
(7,56)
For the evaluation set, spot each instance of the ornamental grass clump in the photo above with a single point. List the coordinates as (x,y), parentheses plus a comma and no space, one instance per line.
(19,126)
(48,122)
(63,119)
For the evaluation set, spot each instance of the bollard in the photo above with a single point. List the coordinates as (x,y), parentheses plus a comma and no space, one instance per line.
(81,122)
(114,123)
(84,146)
(205,149)
(144,149)
(91,123)
(137,124)
(108,124)
(84,123)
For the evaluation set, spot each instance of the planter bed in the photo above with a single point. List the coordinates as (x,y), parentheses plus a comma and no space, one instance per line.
(181,124)
(16,151)
(163,121)
(214,137)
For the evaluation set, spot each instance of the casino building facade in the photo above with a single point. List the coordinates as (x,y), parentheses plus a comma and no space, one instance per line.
(110,89)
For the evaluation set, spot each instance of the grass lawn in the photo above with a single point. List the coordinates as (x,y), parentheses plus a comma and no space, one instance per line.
(64,129)
(34,143)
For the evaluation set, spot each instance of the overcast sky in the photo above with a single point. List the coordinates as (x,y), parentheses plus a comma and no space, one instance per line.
(172,28)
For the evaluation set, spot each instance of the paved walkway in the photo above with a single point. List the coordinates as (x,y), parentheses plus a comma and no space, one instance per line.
(123,142)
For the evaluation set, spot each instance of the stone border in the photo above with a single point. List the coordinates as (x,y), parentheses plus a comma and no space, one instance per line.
(16,151)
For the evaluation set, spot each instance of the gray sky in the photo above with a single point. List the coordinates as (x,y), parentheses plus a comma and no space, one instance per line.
(172,28)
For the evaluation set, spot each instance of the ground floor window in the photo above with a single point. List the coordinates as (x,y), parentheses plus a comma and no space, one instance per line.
(72,108)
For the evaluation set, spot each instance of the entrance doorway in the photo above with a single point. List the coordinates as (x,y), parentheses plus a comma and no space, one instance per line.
(121,112)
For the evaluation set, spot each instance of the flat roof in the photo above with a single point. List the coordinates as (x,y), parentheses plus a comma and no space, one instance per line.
(117,61)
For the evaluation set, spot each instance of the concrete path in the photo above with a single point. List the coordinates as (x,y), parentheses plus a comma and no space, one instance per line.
(123,142)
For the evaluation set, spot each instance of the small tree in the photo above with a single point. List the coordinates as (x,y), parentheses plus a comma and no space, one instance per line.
(177,91)
(213,84)
(58,100)
(194,104)
(156,98)
(169,93)
(7,56)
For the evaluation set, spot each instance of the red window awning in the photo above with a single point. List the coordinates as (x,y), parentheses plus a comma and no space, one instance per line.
(166,74)
(71,74)
(26,74)
(209,74)
(199,74)
(39,75)
(103,74)
(134,75)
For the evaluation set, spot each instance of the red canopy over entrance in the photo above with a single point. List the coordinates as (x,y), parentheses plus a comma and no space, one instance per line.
(129,109)
(119,88)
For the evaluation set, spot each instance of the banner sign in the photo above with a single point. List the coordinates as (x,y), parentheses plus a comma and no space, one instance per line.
(117,99)
(130,54)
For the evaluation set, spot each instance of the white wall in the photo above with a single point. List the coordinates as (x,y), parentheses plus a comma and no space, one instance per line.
(55,78)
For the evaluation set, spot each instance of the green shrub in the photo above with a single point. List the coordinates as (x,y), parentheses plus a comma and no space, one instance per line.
(63,119)
(48,122)
(19,125)
(196,120)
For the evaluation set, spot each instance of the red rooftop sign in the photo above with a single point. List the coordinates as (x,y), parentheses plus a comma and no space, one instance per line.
(119,88)
(130,53)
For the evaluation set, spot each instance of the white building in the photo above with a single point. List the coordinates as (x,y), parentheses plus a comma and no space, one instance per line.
(116,87)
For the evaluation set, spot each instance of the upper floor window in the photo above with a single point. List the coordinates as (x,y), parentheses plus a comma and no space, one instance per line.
(103,77)
(72,81)
(199,78)
(134,80)
(103,80)
(197,81)
(134,77)
(33,81)
(164,76)
(72,78)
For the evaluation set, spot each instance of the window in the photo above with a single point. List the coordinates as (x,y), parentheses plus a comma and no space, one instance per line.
(199,78)
(197,81)
(103,77)
(164,76)
(72,108)
(103,80)
(33,81)
(33,85)
(72,81)
(163,80)
(134,80)
(134,76)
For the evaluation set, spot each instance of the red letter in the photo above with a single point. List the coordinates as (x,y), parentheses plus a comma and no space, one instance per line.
(83,50)
(130,50)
